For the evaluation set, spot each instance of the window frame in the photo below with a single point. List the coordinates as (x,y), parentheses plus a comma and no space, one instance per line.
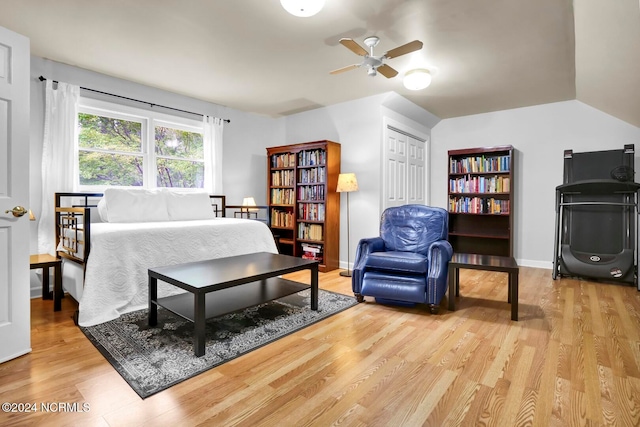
(149,119)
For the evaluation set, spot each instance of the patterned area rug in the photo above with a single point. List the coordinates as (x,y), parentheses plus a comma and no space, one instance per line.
(152,359)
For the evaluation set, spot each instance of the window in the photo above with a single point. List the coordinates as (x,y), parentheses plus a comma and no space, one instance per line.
(131,147)
(179,158)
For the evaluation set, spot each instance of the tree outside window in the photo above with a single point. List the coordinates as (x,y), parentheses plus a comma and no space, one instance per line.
(109,151)
(179,157)
(116,150)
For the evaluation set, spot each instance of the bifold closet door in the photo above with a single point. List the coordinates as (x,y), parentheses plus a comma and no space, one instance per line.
(405,168)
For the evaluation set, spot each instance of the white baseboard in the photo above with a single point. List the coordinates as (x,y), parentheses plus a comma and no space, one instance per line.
(35,284)
(548,265)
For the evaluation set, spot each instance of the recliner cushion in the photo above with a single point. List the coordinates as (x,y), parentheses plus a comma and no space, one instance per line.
(409,288)
(412,228)
(405,262)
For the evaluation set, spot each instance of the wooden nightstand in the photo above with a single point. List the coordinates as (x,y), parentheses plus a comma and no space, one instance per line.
(45,261)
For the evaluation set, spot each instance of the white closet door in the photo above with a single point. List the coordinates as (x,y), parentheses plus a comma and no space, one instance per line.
(395,182)
(405,161)
(416,171)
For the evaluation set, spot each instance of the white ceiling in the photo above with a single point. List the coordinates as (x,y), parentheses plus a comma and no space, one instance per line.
(253,56)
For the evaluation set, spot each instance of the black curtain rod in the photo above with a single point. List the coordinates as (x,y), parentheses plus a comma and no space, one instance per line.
(41,78)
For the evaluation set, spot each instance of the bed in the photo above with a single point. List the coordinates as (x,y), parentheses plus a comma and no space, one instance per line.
(108,241)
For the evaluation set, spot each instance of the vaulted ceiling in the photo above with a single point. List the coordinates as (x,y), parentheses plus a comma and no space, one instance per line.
(253,56)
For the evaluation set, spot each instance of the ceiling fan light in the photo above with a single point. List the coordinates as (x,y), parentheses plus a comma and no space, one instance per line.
(302,8)
(417,79)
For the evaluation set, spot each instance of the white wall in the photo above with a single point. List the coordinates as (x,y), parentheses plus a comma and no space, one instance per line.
(245,156)
(540,134)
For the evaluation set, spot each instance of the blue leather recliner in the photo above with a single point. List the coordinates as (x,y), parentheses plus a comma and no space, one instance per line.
(408,263)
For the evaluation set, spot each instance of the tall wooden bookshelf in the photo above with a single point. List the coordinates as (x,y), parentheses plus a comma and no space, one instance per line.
(304,208)
(481,200)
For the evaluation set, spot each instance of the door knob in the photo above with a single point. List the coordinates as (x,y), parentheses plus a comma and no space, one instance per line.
(18,211)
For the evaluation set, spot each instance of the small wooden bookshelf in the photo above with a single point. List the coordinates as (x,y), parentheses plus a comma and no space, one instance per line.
(304,208)
(481,200)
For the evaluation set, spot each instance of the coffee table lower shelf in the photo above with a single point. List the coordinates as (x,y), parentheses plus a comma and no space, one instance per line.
(231,299)
(223,285)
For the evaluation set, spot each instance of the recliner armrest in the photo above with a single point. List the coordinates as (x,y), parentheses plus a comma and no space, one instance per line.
(439,255)
(440,245)
(365,247)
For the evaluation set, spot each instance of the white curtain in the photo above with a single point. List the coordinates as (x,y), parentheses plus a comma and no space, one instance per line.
(58,155)
(213,129)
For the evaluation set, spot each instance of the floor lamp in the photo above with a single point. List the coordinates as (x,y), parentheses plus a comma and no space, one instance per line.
(347,183)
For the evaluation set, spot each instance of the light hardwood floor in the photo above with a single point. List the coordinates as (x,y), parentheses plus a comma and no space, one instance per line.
(573,359)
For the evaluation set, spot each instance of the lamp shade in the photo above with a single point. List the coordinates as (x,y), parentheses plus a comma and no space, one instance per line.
(249,201)
(417,79)
(302,8)
(347,183)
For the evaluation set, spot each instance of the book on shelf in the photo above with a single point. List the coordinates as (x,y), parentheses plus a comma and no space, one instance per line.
(284,160)
(311,247)
(283,196)
(480,164)
(311,192)
(312,157)
(312,251)
(309,231)
(313,175)
(479,184)
(478,205)
(283,178)
(311,211)
(280,218)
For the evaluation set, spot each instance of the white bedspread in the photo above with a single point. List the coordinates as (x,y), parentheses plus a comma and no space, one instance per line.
(116,279)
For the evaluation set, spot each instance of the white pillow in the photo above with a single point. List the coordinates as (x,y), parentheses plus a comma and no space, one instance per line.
(102,210)
(189,206)
(135,205)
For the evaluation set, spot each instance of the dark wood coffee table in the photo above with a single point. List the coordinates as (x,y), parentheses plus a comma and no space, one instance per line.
(224,285)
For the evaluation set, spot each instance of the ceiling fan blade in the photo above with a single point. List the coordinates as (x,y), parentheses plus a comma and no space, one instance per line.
(343,69)
(404,49)
(353,46)
(387,71)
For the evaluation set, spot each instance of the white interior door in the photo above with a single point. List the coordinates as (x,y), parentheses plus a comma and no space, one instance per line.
(405,160)
(15,333)
(416,171)
(395,170)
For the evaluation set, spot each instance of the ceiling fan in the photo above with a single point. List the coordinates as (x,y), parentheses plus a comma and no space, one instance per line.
(374,63)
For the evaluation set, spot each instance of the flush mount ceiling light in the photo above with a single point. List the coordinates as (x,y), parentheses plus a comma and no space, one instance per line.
(417,79)
(302,8)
